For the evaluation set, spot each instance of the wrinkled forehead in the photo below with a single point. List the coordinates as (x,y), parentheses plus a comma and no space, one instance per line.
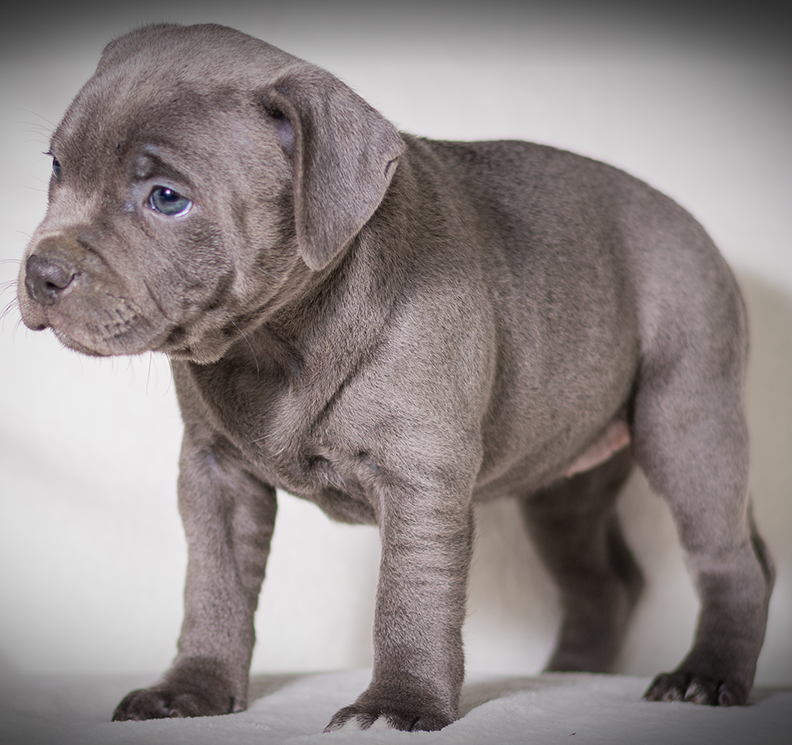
(162,79)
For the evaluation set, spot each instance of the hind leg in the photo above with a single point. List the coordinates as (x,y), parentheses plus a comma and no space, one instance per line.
(695,456)
(576,531)
(690,438)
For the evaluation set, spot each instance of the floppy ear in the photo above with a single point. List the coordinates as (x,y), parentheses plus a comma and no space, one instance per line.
(343,153)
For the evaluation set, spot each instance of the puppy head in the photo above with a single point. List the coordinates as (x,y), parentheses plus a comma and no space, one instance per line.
(201,180)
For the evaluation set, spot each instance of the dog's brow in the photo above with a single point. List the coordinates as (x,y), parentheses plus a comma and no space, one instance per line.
(153,160)
(145,166)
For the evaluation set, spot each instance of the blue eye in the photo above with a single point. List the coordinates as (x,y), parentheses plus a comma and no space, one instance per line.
(57,171)
(168,202)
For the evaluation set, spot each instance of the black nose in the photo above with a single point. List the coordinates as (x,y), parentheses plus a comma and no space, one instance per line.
(46,279)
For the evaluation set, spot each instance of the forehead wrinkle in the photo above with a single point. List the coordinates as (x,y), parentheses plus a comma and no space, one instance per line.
(107,128)
(171,62)
(160,159)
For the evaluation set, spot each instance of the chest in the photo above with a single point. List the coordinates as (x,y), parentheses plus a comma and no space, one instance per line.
(282,431)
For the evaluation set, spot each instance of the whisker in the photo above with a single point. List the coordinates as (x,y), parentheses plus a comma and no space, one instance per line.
(5,286)
(38,128)
(37,139)
(170,376)
(35,126)
(52,125)
(156,302)
(148,374)
(16,325)
(14,304)
(252,351)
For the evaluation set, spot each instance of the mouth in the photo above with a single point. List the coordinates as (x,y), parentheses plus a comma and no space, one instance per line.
(70,343)
(121,330)
(95,332)
(93,319)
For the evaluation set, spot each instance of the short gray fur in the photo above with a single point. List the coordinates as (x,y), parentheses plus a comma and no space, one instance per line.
(396,328)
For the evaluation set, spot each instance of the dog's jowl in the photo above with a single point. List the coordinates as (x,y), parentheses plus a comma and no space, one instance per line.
(396,328)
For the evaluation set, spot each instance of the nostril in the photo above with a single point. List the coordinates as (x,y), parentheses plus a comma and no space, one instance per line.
(46,279)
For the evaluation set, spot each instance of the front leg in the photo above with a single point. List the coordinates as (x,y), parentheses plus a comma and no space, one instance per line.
(418,659)
(228,518)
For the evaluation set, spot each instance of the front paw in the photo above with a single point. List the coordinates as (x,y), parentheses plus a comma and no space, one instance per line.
(162,703)
(391,713)
(695,689)
(194,688)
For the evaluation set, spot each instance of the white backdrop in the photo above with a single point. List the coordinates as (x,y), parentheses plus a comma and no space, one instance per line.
(91,550)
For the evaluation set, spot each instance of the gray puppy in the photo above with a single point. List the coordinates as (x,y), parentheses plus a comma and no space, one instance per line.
(395,329)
